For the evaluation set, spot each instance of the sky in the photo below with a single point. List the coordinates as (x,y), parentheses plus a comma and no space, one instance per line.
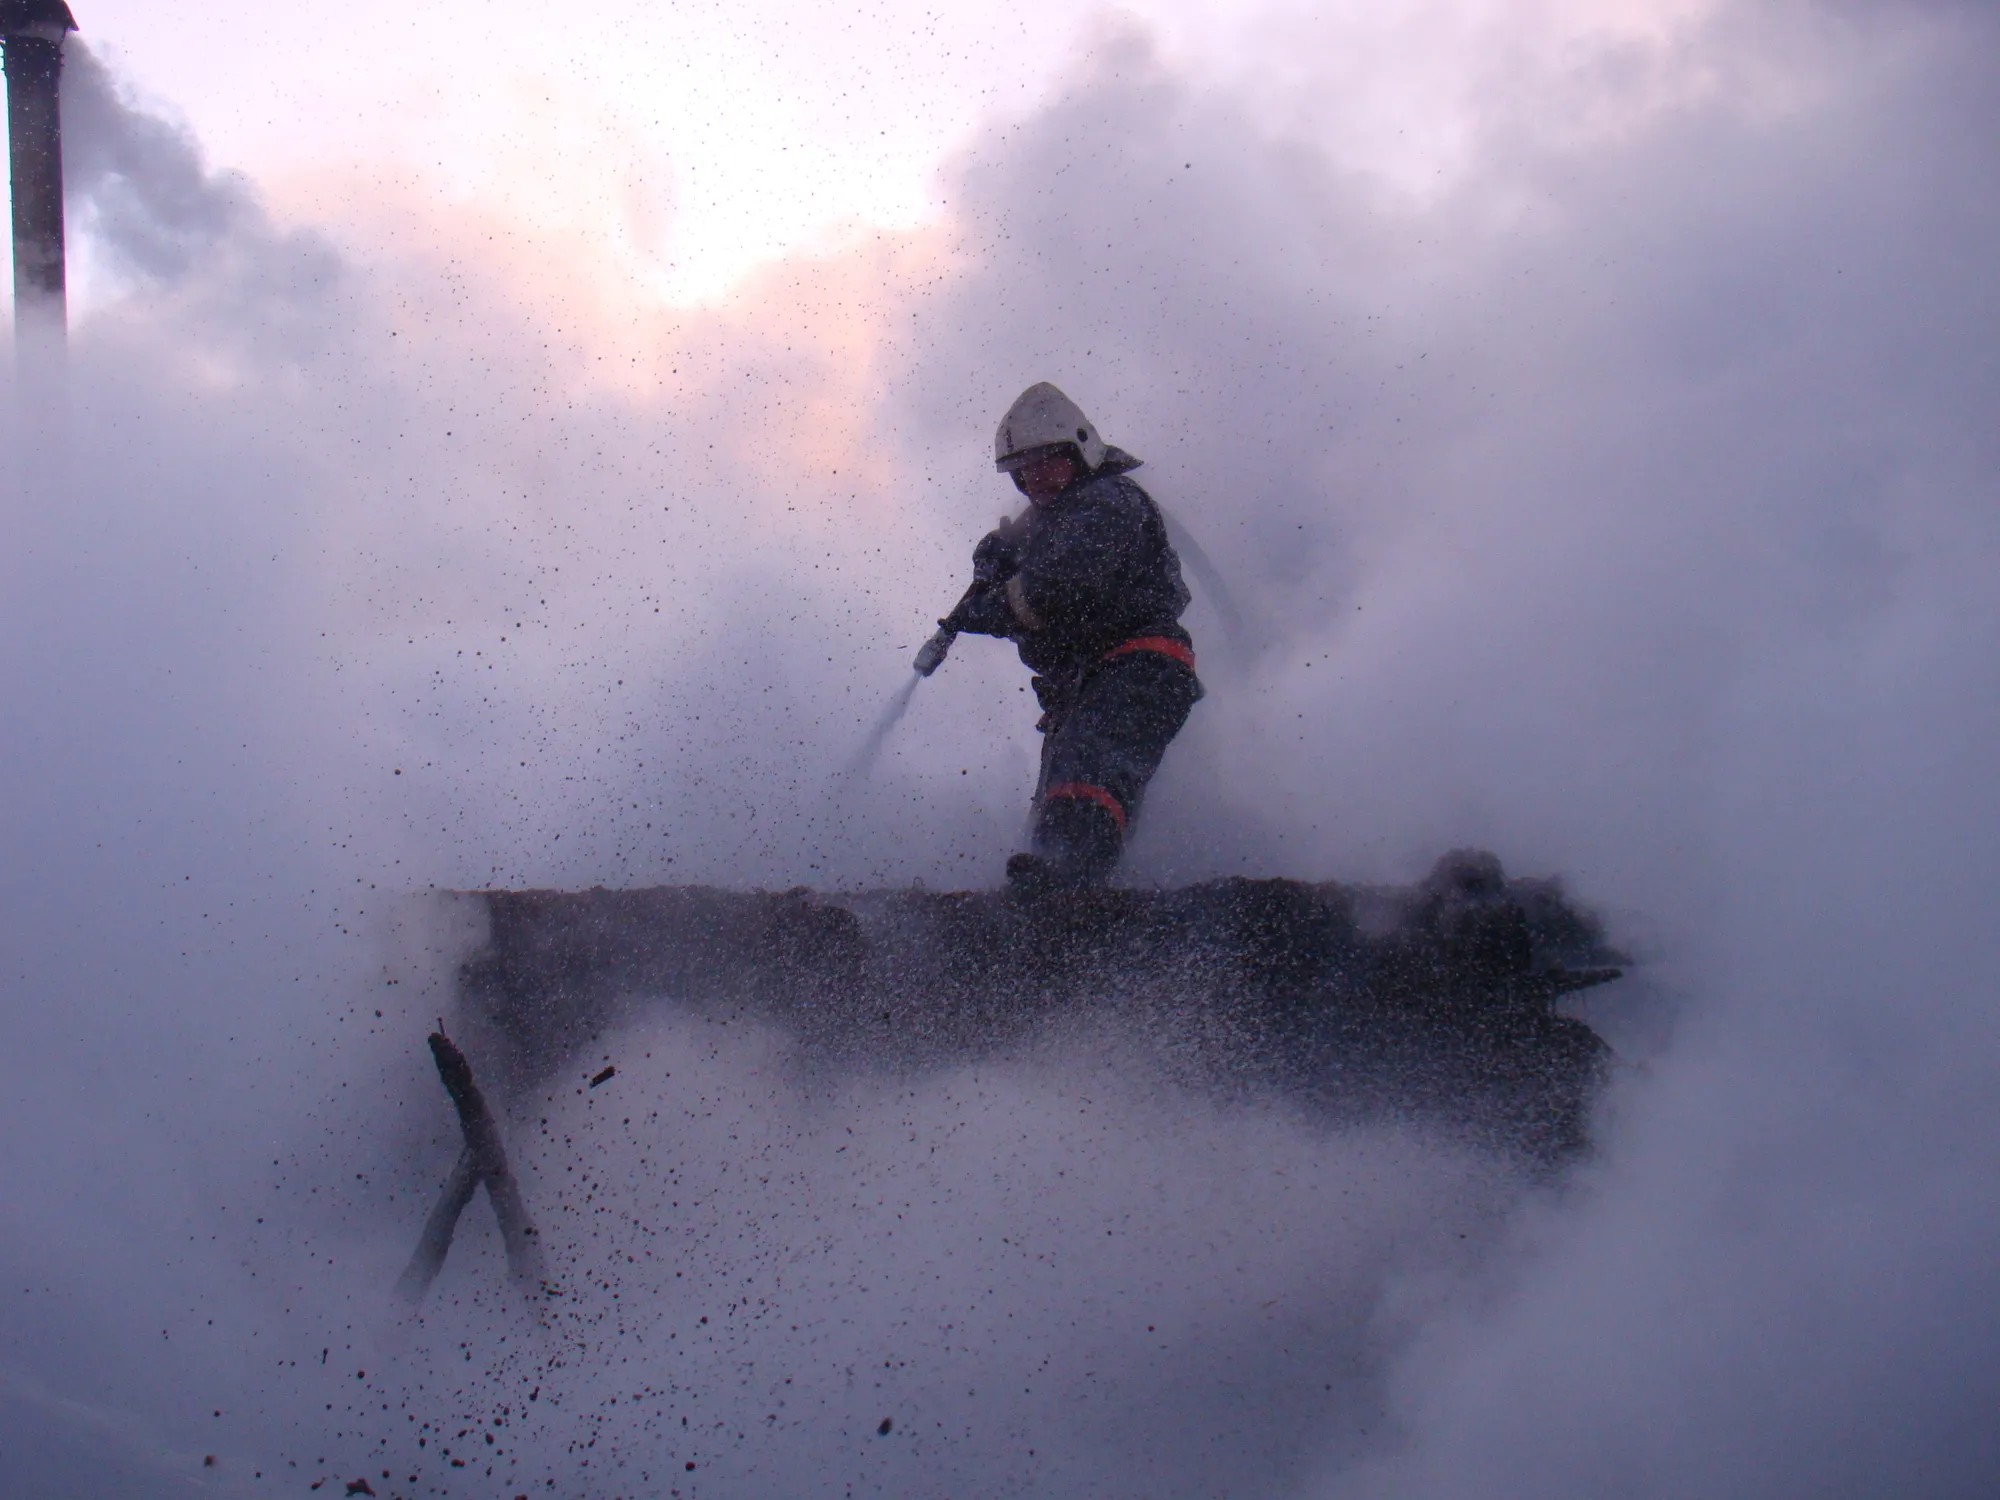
(1590,411)
(691,142)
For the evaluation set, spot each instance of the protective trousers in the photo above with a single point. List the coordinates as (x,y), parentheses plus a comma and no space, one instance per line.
(1106,729)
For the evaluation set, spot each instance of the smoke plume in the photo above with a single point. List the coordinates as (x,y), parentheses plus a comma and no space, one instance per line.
(1619,499)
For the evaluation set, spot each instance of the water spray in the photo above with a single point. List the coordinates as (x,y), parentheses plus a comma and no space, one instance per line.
(928,660)
(892,715)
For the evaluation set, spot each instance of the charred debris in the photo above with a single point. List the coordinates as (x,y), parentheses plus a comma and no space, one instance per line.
(1436,1002)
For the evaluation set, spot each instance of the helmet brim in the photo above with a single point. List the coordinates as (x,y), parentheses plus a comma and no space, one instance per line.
(1014,462)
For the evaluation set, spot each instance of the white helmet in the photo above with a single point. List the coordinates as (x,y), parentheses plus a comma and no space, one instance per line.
(1042,418)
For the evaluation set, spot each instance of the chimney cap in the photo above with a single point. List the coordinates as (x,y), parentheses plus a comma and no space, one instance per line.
(47,19)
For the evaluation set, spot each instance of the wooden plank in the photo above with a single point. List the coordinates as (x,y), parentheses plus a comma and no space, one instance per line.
(489,1157)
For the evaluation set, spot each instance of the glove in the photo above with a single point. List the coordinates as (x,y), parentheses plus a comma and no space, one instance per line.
(983,611)
(997,557)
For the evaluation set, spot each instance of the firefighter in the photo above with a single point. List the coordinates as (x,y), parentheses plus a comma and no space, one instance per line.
(1087,586)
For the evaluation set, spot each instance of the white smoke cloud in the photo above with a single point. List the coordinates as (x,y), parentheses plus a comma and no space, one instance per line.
(1622,505)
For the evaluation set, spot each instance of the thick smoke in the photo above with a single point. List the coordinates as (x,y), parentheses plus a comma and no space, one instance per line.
(1622,504)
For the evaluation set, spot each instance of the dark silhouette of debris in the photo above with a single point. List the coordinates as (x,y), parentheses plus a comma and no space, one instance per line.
(605,1076)
(435,1241)
(484,1159)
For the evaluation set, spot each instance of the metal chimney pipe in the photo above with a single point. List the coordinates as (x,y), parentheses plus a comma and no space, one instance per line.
(32,33)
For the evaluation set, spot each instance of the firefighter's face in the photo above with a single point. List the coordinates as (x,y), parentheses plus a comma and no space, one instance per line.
(1042,480)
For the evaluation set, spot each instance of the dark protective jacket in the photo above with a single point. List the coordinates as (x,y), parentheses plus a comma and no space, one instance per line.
(1094,569)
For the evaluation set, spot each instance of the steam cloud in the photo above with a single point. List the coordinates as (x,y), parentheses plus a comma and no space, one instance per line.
(1624,505)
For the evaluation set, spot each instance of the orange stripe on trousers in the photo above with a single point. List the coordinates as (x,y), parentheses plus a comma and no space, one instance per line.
(1083,791)
(1165,645)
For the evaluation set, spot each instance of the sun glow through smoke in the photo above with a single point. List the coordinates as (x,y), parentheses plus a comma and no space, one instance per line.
(669,150)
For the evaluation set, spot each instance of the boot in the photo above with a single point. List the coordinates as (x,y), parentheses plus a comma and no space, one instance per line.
(1077,844)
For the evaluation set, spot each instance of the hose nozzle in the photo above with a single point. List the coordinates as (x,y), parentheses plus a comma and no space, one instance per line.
(932,656)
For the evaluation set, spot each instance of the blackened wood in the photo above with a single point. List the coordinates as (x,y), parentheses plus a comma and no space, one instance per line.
(1436,1000)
